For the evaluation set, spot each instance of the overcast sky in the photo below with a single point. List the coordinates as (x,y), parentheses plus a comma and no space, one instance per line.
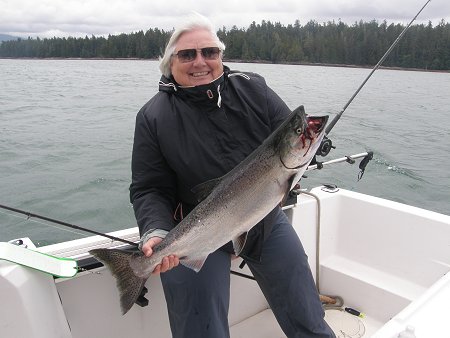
(48,18)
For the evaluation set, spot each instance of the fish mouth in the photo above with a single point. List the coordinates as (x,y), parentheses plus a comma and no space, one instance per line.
(315,125)
(309,141)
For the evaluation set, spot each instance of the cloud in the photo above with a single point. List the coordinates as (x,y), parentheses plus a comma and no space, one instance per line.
(47,18)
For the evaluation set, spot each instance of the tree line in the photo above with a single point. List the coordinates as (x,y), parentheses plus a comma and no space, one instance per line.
(424,46)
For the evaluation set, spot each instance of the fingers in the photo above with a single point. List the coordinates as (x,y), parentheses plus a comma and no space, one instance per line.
(167,263)
(147,248)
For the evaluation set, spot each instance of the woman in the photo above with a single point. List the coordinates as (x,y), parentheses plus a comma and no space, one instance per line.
(204,120)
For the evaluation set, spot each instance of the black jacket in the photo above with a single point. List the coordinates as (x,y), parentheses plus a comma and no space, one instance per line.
(186,136)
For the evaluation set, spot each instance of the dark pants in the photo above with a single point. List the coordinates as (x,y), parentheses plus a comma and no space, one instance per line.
(198,302)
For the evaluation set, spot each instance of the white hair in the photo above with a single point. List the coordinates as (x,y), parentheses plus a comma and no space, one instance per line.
(192,22)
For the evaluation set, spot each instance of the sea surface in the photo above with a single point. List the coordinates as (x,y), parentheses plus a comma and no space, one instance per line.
(66,132)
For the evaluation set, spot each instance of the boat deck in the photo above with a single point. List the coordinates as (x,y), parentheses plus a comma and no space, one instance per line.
(264,321)
(342,323)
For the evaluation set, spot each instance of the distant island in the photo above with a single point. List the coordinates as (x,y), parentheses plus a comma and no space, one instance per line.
(424,46)
(6,37)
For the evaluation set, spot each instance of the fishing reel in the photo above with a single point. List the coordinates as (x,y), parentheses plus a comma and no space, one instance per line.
(325,147)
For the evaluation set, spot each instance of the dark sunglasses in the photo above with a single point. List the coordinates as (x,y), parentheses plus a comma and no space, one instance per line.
(188,55)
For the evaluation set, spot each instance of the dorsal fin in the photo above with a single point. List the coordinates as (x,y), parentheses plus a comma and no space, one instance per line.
(202,190)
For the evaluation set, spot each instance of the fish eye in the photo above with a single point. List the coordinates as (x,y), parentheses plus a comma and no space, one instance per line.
(298,131)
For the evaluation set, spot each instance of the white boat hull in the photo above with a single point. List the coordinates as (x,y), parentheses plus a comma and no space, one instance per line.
(383,258)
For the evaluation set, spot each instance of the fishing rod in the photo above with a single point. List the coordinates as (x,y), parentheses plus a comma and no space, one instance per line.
(73,226)
(318,165)
(338,116)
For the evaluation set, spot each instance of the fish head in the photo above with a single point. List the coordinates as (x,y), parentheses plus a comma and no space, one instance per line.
(299,138)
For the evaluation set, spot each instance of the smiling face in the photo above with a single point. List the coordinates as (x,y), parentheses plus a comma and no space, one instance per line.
(199,71)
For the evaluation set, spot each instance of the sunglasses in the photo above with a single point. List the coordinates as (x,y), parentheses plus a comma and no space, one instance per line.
(189,55)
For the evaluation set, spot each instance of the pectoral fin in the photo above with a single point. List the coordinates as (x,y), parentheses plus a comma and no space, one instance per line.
(290,185)
(202,190)
(239,243)
(294,180)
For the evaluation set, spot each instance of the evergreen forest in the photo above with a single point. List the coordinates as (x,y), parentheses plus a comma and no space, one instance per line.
(424,46)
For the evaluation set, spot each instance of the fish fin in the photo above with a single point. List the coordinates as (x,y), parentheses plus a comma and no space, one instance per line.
(193,263)
(239,243)
(295,179)
(285,198)
(129,285)
(202,190)
(291,184)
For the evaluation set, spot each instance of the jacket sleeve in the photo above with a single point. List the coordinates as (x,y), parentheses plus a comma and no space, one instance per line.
(278,110)
(153,186)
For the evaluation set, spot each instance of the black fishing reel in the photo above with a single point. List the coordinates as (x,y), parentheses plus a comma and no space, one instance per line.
(325,147)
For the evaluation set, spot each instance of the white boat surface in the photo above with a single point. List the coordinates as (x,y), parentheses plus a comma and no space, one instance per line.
(385,259)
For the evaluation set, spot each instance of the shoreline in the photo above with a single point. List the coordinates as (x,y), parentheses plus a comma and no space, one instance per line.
(293,63)
(340,65)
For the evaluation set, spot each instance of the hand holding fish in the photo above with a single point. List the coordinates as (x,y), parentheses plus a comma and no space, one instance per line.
(167,263)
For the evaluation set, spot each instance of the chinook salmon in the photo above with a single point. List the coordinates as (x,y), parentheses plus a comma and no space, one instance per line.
(230,206)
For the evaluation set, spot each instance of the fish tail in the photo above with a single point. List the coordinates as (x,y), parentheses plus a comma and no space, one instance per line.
(128,284)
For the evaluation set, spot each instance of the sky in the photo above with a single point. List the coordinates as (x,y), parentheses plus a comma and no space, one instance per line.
(78,18)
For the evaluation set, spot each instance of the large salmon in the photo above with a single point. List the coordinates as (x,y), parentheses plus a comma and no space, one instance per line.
(230,206)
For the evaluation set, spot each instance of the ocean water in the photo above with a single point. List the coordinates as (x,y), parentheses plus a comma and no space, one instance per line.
(66,132)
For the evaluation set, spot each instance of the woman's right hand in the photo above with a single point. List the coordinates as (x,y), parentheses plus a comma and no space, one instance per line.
(167,263)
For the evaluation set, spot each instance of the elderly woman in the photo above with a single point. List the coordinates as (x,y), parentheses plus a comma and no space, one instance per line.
(204,120)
